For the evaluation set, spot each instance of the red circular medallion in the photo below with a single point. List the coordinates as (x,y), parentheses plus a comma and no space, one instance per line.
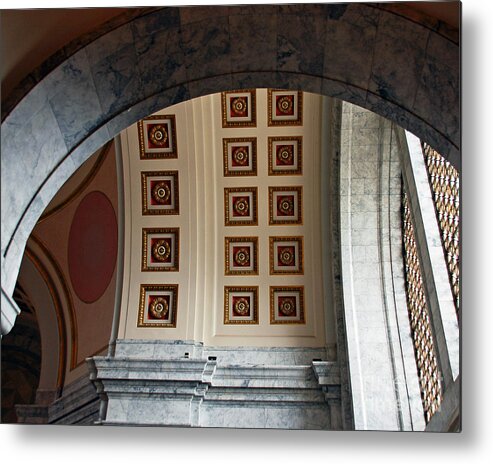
(92,246)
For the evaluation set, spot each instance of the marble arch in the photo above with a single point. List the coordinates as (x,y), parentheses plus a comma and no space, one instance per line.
(400,66)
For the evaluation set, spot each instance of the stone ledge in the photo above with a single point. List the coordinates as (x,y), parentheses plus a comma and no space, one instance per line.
(202,392)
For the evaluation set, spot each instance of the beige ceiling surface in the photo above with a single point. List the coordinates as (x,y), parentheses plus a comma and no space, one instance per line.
(242,221)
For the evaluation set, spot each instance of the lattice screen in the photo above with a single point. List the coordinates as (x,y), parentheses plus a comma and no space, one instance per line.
(444,180)
(429,375)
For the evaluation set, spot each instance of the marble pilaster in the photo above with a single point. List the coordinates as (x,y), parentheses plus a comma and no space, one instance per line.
(384,382)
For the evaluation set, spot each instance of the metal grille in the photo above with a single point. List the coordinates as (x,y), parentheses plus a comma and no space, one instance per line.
(429,376)
(444,180)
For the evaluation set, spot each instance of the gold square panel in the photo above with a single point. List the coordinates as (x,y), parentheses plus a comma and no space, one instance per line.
(160,192)
(160,249)
(240,156)
(240,206)
(285,205)
(285,107)
(287,305)
(239,108)
(286,255)
(240,305)
(157,137)
(241,255)
(158,305)
(285,156)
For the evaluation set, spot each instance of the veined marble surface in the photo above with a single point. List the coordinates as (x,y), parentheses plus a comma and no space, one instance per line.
(173,349)
(384,383)
(155,383)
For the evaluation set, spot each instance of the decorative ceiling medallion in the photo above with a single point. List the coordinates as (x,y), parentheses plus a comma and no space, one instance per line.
(285,205)
(160,192)
(286,255)
(285,156)
(241,255)
(241,305)
(240,157)
(240,206)
(158,305)
(285,107)
(157,137)
(287,305)
(239,108)
(160,249)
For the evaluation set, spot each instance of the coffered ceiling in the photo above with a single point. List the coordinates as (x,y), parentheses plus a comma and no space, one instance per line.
(224,221)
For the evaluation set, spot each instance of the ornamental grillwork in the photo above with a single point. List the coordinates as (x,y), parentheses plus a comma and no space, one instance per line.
(429,375)
(444,181)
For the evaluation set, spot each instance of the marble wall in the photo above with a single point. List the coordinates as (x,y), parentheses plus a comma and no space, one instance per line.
(90,92)
(384,382)
(187,384)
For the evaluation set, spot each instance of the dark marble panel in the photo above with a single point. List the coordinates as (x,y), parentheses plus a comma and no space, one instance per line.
(109,44)
(444,51)
(304,82)
(71,86)
(360,14)
(253,42)
(211,85)
(114,66)
(449,32)
(393,112)
(206,48)
(306,9)
(250,80)
(193,14)
(412,123)
(438,98)
(146,107)
(156,21)
(300,43)
(253,10)
(356,36)
(161,61)
(117,80)
(126,16)
(342,91)
(49,65)
(398,59)
(438,95)
(164,99)
(445,30)
(454,158)
(280,80)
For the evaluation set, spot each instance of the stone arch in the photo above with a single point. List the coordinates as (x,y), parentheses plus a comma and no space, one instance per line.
(404,69)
